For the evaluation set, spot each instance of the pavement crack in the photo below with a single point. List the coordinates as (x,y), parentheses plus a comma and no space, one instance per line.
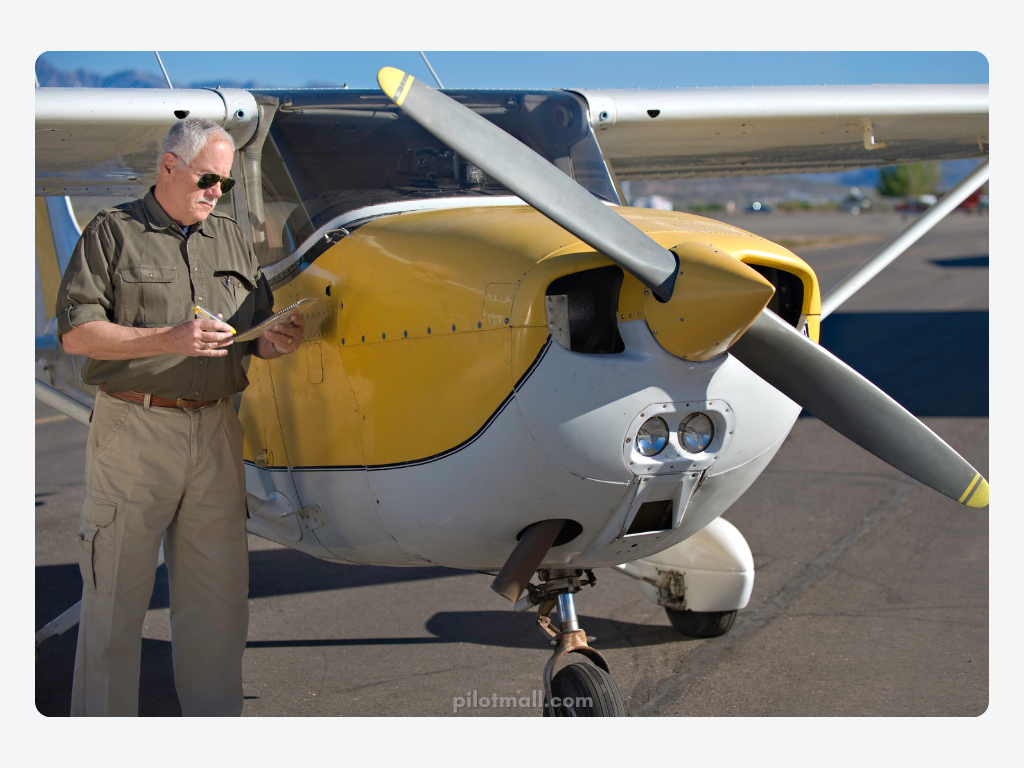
(706,657)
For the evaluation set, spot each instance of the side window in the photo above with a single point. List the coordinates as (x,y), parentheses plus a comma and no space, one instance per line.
(284,223)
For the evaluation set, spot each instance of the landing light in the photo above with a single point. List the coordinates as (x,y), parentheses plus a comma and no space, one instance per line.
(652,437)
(695,433)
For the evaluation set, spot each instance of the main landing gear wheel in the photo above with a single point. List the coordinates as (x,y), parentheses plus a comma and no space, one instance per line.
(583,690)
(698,624)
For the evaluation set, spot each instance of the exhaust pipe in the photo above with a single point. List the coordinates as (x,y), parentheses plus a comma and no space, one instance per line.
(533,546)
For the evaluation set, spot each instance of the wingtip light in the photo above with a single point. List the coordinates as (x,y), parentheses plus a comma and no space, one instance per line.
(395,83)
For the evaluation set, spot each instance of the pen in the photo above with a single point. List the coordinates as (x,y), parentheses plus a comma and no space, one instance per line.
(209,315)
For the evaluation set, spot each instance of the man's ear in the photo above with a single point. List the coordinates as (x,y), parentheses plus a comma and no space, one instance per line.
(167,162)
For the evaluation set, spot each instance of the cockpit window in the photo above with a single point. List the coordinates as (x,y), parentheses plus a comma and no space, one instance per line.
(330,152)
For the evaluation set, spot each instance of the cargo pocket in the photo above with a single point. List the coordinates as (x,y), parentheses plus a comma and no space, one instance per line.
(96,536)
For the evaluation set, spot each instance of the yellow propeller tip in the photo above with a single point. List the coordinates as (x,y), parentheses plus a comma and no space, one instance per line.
(980,496)
(390,81)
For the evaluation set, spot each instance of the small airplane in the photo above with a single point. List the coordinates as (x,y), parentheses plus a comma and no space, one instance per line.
(509,370)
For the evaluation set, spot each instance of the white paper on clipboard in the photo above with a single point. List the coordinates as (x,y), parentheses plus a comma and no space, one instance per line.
(278,318)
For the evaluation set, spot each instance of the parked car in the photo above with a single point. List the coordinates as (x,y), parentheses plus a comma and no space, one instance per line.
(974,203)
(856,202)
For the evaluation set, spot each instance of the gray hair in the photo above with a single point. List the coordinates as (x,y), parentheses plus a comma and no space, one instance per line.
(187,138)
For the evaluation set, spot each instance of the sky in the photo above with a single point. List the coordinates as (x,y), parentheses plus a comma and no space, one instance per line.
(545,69)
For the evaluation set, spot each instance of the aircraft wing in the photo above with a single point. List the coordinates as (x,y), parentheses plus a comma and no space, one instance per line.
(708,132)
(104,141)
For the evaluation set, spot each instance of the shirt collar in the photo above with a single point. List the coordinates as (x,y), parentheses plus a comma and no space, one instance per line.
(158,218)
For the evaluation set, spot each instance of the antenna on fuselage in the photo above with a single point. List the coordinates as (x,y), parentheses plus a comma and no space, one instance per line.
(438,79)
(163,69)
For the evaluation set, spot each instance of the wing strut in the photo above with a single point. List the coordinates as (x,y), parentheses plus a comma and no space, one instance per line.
(888,253)
(66,404)
(163,69)
(436,78)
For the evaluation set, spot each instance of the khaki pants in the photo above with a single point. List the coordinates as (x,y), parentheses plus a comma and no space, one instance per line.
(151,470)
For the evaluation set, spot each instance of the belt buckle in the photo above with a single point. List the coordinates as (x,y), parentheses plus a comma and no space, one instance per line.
(179,402)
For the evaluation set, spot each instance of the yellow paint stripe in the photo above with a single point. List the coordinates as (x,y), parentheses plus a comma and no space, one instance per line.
(977,477)
(980,496)
(403,89)
(50,419)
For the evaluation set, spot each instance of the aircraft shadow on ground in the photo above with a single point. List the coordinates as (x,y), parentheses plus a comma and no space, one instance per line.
(271,573)
(931,363)
(505,629)
(280,572)
(963,261)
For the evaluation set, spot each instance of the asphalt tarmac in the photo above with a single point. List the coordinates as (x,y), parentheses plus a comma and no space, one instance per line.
(871,594)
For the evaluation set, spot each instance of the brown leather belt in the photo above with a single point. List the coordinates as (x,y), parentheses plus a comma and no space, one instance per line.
(131,396)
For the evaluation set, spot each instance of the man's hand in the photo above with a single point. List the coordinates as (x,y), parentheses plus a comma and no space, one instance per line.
(102,340)
(200,338)
(282,339)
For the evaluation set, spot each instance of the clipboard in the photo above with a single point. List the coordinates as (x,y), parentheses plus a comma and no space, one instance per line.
(278,318)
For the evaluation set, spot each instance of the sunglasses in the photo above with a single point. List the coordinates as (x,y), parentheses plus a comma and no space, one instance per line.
(207,180)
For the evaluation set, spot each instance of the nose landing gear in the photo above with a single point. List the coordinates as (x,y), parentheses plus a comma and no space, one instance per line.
(579,689)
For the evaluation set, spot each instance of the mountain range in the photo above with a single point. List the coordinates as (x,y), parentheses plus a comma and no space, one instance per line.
(50,76)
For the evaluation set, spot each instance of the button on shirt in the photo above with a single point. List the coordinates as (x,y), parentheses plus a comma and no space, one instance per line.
(136,267)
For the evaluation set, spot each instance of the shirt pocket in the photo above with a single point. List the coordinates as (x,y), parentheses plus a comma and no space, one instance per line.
(236,298)
(97,538)
(149,296)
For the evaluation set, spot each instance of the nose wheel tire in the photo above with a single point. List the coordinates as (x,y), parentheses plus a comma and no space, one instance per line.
(701,624)
(583,690)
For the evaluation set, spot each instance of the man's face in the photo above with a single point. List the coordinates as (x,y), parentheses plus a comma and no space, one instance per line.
(176,185)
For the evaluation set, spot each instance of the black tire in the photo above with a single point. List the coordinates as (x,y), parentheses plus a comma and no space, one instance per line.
(697,624)
(591,691)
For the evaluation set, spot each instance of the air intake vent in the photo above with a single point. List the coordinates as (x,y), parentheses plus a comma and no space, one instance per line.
(788,300)
(652,516)
(582,311)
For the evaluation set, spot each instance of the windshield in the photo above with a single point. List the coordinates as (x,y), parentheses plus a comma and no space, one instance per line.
(332,151)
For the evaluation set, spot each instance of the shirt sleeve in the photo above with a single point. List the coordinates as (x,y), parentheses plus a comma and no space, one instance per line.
(87,289)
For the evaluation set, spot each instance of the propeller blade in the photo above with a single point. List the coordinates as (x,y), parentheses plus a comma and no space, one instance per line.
(803,371)
(534,179)
(836,394)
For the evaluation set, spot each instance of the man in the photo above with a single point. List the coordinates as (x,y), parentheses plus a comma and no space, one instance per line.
(165,445)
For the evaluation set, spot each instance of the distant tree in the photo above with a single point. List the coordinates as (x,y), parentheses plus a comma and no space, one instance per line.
(909,180)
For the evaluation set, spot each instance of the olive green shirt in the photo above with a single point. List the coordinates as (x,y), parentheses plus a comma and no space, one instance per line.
(134,266)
